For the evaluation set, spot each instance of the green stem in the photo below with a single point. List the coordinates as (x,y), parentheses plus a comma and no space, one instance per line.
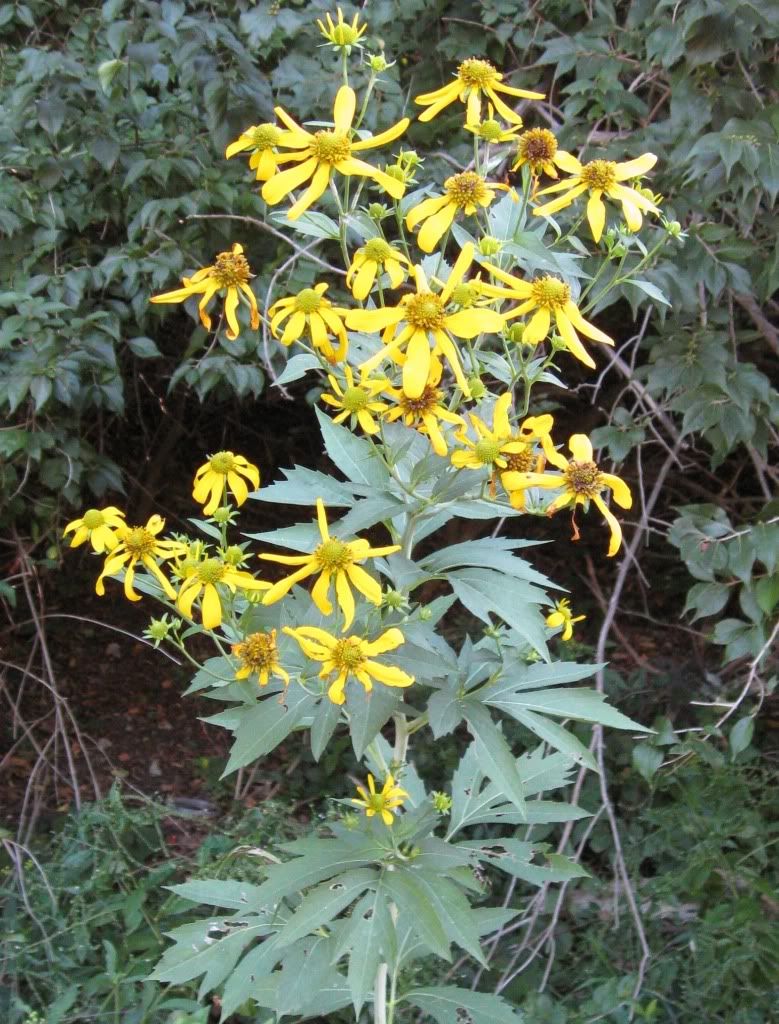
(380,995)
(402,231)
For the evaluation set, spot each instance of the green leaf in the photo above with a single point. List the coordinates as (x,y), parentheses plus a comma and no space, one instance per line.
(143,348)
(741,735)
(580,704)
(261,728)
(354,456)
(485,592)
(317,225)
(411,898)
(453,911)
(317,860)
(324,903)
(651,290)
(297,367)
(218,893)
(646,760)
(558,737)
(451,1005)
(210,948)
(514,857)
(105,150)
(368,712)
(494,754)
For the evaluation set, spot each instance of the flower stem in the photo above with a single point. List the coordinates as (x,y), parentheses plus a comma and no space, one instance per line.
(380,995)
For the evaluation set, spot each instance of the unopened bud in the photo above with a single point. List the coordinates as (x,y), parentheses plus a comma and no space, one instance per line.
(442,802)
(376,211)
(674,228)
(489,246)
(477,387)
(234,555)
(378,63)
(221,515)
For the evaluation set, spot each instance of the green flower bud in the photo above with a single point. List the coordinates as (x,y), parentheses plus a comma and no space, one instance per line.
(674,228)
(234,555)
(378,63)
(394,600)
(441,802)
(425,614)
(222,515)
(489,246)
(477,387)
(377,211)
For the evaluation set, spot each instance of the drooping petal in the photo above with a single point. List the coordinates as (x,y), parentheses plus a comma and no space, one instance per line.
(469,323)
(537,328)
(416,368)
(231,304)
(352,165)
(280,185)
(319,593)
(211,607)
(458,272)
(345,598)
(619,489)
(313,192)
(366,584)
(435,226)
(424,209)
(389,675)
(567,162)
(560,203)
(596,214)
(589,330)
(238,487)
(571,339)
(614,527)
(278,590)
(500,416)
(373,320)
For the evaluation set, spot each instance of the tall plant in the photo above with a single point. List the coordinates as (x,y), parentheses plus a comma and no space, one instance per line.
(464,297)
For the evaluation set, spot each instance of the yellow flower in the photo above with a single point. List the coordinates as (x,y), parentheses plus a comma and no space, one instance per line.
(498,449)
(464,192)
(262,140)
(492,131)
(334,560)
(351,656)
(371,259)
(538,149)
(341,34)
(424,412)
(580,481)
(310,308)
(202,579)
(356,401)
(258,654)
(139,544)
(546,295)
(563,616)
(98,526)
(320,154)
(599,177)
(474,79)
(384,803)
(230,272)
(224,471)
(421,314)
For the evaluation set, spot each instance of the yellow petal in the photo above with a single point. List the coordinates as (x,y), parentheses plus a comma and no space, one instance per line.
(538,327)
(435,226)
(319,593)
(313,192)
(365,583)
(468,323)
(211,607)
(596,214)
(280,185)
(635,168)
(619,488)
(343,110)
(388,135)
(580,447)
(231,304)
(616,529)
(417,365)
(345,598)
(459,270)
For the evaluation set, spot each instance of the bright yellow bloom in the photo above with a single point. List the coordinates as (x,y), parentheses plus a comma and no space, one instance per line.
(320,154)
(423,314)
(599,177)
(356,401)
(563,616)
(140,544)
(224,471)
(351,656)
(258,655)
(384,803)
(311,309)
(425,412)
(334,560)
(498,448)
(230,272)
(341,34)
(98,526)
(580,481)
(464,192)
(202,579)
(538,149)
(262,140)
(546,295)
(474,78)
(372,259)
(492,131)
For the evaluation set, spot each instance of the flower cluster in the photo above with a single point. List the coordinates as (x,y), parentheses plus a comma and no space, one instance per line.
(445,325)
